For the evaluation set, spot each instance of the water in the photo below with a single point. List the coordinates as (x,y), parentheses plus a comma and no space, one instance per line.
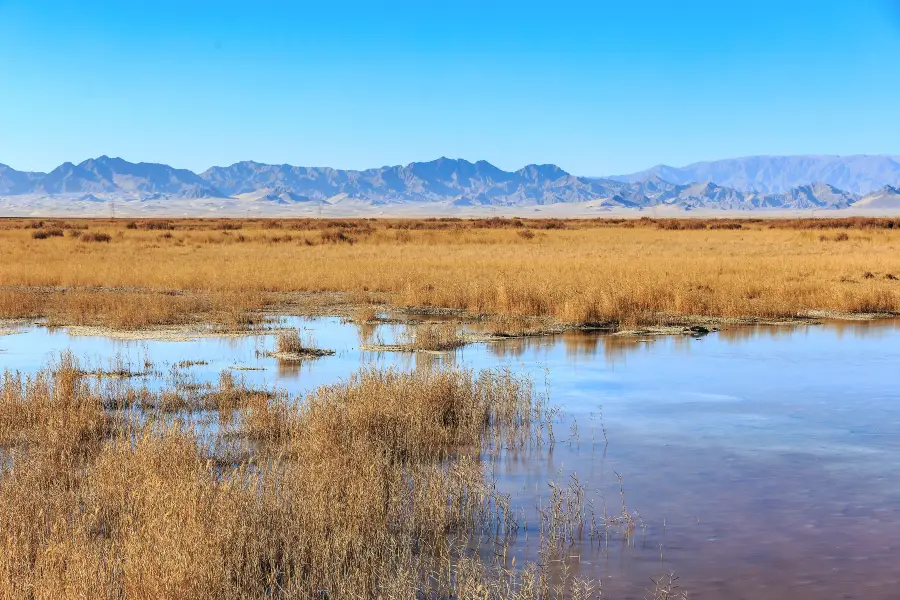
(764,462)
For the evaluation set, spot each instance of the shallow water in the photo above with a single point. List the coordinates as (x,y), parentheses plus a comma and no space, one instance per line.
(764,462)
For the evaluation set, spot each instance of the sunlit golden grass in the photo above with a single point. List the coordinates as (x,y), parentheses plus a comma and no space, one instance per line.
(123,309)
(372,488)
(615,272)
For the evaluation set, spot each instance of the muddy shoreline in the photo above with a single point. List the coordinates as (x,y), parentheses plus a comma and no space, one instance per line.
(673,326)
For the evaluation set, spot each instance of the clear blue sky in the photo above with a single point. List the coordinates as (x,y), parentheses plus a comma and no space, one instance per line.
(595,87)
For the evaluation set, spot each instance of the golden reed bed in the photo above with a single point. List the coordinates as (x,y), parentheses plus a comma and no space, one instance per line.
(134,274)
(377,487)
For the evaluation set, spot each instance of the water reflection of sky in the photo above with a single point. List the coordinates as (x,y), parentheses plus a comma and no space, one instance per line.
(771,454)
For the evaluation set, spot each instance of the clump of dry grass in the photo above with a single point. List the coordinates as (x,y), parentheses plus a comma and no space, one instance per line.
(292,344)
(727,225)
(338,236)
(291,341)
(43,234)
(432,337)
(232,225)
(364,314)
(96,236)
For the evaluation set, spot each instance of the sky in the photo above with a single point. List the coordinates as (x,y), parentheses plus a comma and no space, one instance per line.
(598,88)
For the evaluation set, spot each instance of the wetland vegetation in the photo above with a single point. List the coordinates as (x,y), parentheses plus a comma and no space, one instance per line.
(615,273)
(131,480)
(377,487)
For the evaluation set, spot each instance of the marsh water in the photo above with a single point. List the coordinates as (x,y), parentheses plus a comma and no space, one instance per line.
(764,462)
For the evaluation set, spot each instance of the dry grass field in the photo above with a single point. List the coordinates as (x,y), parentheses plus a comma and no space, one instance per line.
(134,274)
(377,487)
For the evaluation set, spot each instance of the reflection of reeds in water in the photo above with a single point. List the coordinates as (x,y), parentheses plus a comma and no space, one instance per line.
(293,369)
(427,361)
(366,332)
(855,329)
(374,487)
(581,343)
(577,344)
(617,348)
(518,347)
(743,334)
(512,348)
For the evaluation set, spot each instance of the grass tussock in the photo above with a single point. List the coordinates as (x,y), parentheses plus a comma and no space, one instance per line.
(291,343)
(95,236)
(432,337)
(43,234)
(372,488)
(365,314)
(596,272)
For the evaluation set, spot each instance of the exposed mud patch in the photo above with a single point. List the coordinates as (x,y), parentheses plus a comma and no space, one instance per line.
(177,333)
(847,316)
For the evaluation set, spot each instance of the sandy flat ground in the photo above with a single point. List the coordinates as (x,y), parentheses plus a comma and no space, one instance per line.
(72,207)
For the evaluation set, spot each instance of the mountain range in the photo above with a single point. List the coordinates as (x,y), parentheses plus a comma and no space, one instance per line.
(792,183)
(859,174)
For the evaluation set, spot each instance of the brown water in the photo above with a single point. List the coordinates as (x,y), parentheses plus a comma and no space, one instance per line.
(764,463)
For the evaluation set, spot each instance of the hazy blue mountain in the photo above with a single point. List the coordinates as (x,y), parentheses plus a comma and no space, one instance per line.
(69,178)
(16,182)
(114,175)
(859,174)
(482,184)
(438,180)
(887,197)
(657,192)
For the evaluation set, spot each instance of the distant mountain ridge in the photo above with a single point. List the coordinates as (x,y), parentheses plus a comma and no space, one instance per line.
(458,182)
(434,181)
(859,174)
(111,175)
(17,182)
